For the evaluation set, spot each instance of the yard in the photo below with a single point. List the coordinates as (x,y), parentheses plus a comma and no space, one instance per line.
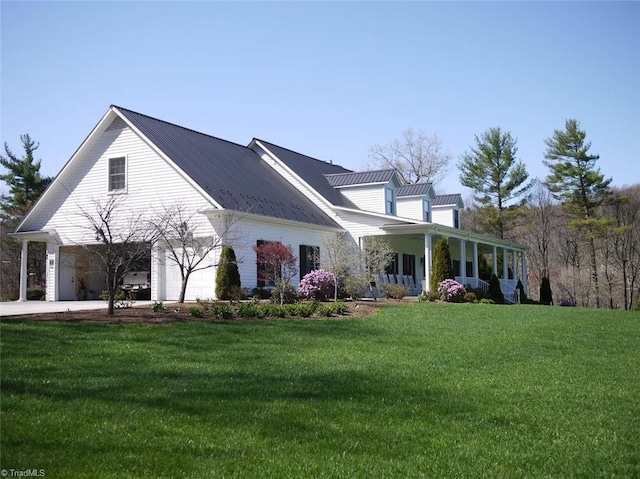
(417,390)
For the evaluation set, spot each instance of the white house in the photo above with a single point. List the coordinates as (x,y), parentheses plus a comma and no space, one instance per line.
(278,194)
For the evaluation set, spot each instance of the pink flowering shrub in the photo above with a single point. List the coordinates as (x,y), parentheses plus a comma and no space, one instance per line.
(318,285)
(452,291)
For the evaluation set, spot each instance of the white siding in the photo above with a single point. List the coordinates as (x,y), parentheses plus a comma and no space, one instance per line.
(151,183)
(442,215)
(411,207)
(247,232)
(367,197)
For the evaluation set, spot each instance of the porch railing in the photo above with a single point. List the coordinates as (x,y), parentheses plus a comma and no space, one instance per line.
(511,294)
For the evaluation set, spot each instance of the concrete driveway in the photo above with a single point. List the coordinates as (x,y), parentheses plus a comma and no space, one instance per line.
(17,308)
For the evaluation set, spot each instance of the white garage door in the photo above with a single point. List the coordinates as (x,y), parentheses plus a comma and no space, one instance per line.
(201,284)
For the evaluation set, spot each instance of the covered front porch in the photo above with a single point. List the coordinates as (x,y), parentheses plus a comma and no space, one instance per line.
(475,258)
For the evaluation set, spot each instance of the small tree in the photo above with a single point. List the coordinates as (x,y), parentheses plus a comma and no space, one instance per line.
(122,239)
(523,295)
(342,258)
(495,291)
(546,296)
(278,265)
(227,276)
(442,266)
(180,233)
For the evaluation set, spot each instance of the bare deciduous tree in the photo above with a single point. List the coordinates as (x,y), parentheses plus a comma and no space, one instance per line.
(178,232)
(121,240)
(417,156)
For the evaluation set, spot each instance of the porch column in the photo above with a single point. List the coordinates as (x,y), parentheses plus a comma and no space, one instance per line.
(524,274)
(505,264)
(495,261)
(24,274)
(463,261)
(476,273)
(515,266)
(52,271)
(427,262)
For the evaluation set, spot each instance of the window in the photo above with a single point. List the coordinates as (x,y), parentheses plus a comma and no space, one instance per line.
(409,265)
(309,259)
(426,211)
(390,198)
(117,174)
(456,219)
(392,267)
(261,266)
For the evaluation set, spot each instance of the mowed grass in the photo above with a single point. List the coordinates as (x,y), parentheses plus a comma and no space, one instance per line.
(419,390)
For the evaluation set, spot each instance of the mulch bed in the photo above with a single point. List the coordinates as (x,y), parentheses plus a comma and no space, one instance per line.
(178,313)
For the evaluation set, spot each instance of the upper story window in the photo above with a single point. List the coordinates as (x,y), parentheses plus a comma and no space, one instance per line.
(117,174)
(426,211)
(390,201)
(456,219)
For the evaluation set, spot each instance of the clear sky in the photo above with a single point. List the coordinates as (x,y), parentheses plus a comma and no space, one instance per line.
(328,79)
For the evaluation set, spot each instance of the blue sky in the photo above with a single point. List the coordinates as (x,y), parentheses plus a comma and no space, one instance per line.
(328,79)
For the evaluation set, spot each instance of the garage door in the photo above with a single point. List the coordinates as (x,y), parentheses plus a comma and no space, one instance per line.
(201,284)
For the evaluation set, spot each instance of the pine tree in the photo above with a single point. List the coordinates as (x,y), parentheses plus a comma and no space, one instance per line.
(227,276)
(442,266)
(23,177)
(576,181)
(495,291)
(546,297)
(492,171)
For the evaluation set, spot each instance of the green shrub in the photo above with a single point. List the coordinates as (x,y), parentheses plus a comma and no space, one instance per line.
(305,309)
(495,291)
(339,308)
(35,294)
(272,311)
(289,297)
(486,301)
(395,291)
(442,266)
(355,286)
(546,296)
(196,312)
(248,310)
(523,295)
(221,311)
(158,306)
(227,276)
(470,297)
(323,310)
(427,296)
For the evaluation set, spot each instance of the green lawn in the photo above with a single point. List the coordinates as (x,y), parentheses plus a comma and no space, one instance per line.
(419,390)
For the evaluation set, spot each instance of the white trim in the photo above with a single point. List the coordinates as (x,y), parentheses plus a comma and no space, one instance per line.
(212,213)
(124,190)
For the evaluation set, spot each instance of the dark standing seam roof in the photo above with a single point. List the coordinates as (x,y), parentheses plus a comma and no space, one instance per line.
(360,178)
(313,172)
(233,175)
(414,189)
(444,200)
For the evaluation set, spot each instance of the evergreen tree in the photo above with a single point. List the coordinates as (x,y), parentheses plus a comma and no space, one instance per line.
(492,171)
(495,291)
(26,184)
(227,276)
(523,295)
(442,266)
(546,297)
(23,177)
(579,185)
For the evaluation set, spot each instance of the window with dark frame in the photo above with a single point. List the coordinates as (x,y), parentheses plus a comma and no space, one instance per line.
(409,265)
(309,259)
(117,174)
(392,267)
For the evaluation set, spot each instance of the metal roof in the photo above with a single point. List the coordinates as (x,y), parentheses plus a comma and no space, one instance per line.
(233,175)
(313,172)
(414,189)
(360,178)
(447,200)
